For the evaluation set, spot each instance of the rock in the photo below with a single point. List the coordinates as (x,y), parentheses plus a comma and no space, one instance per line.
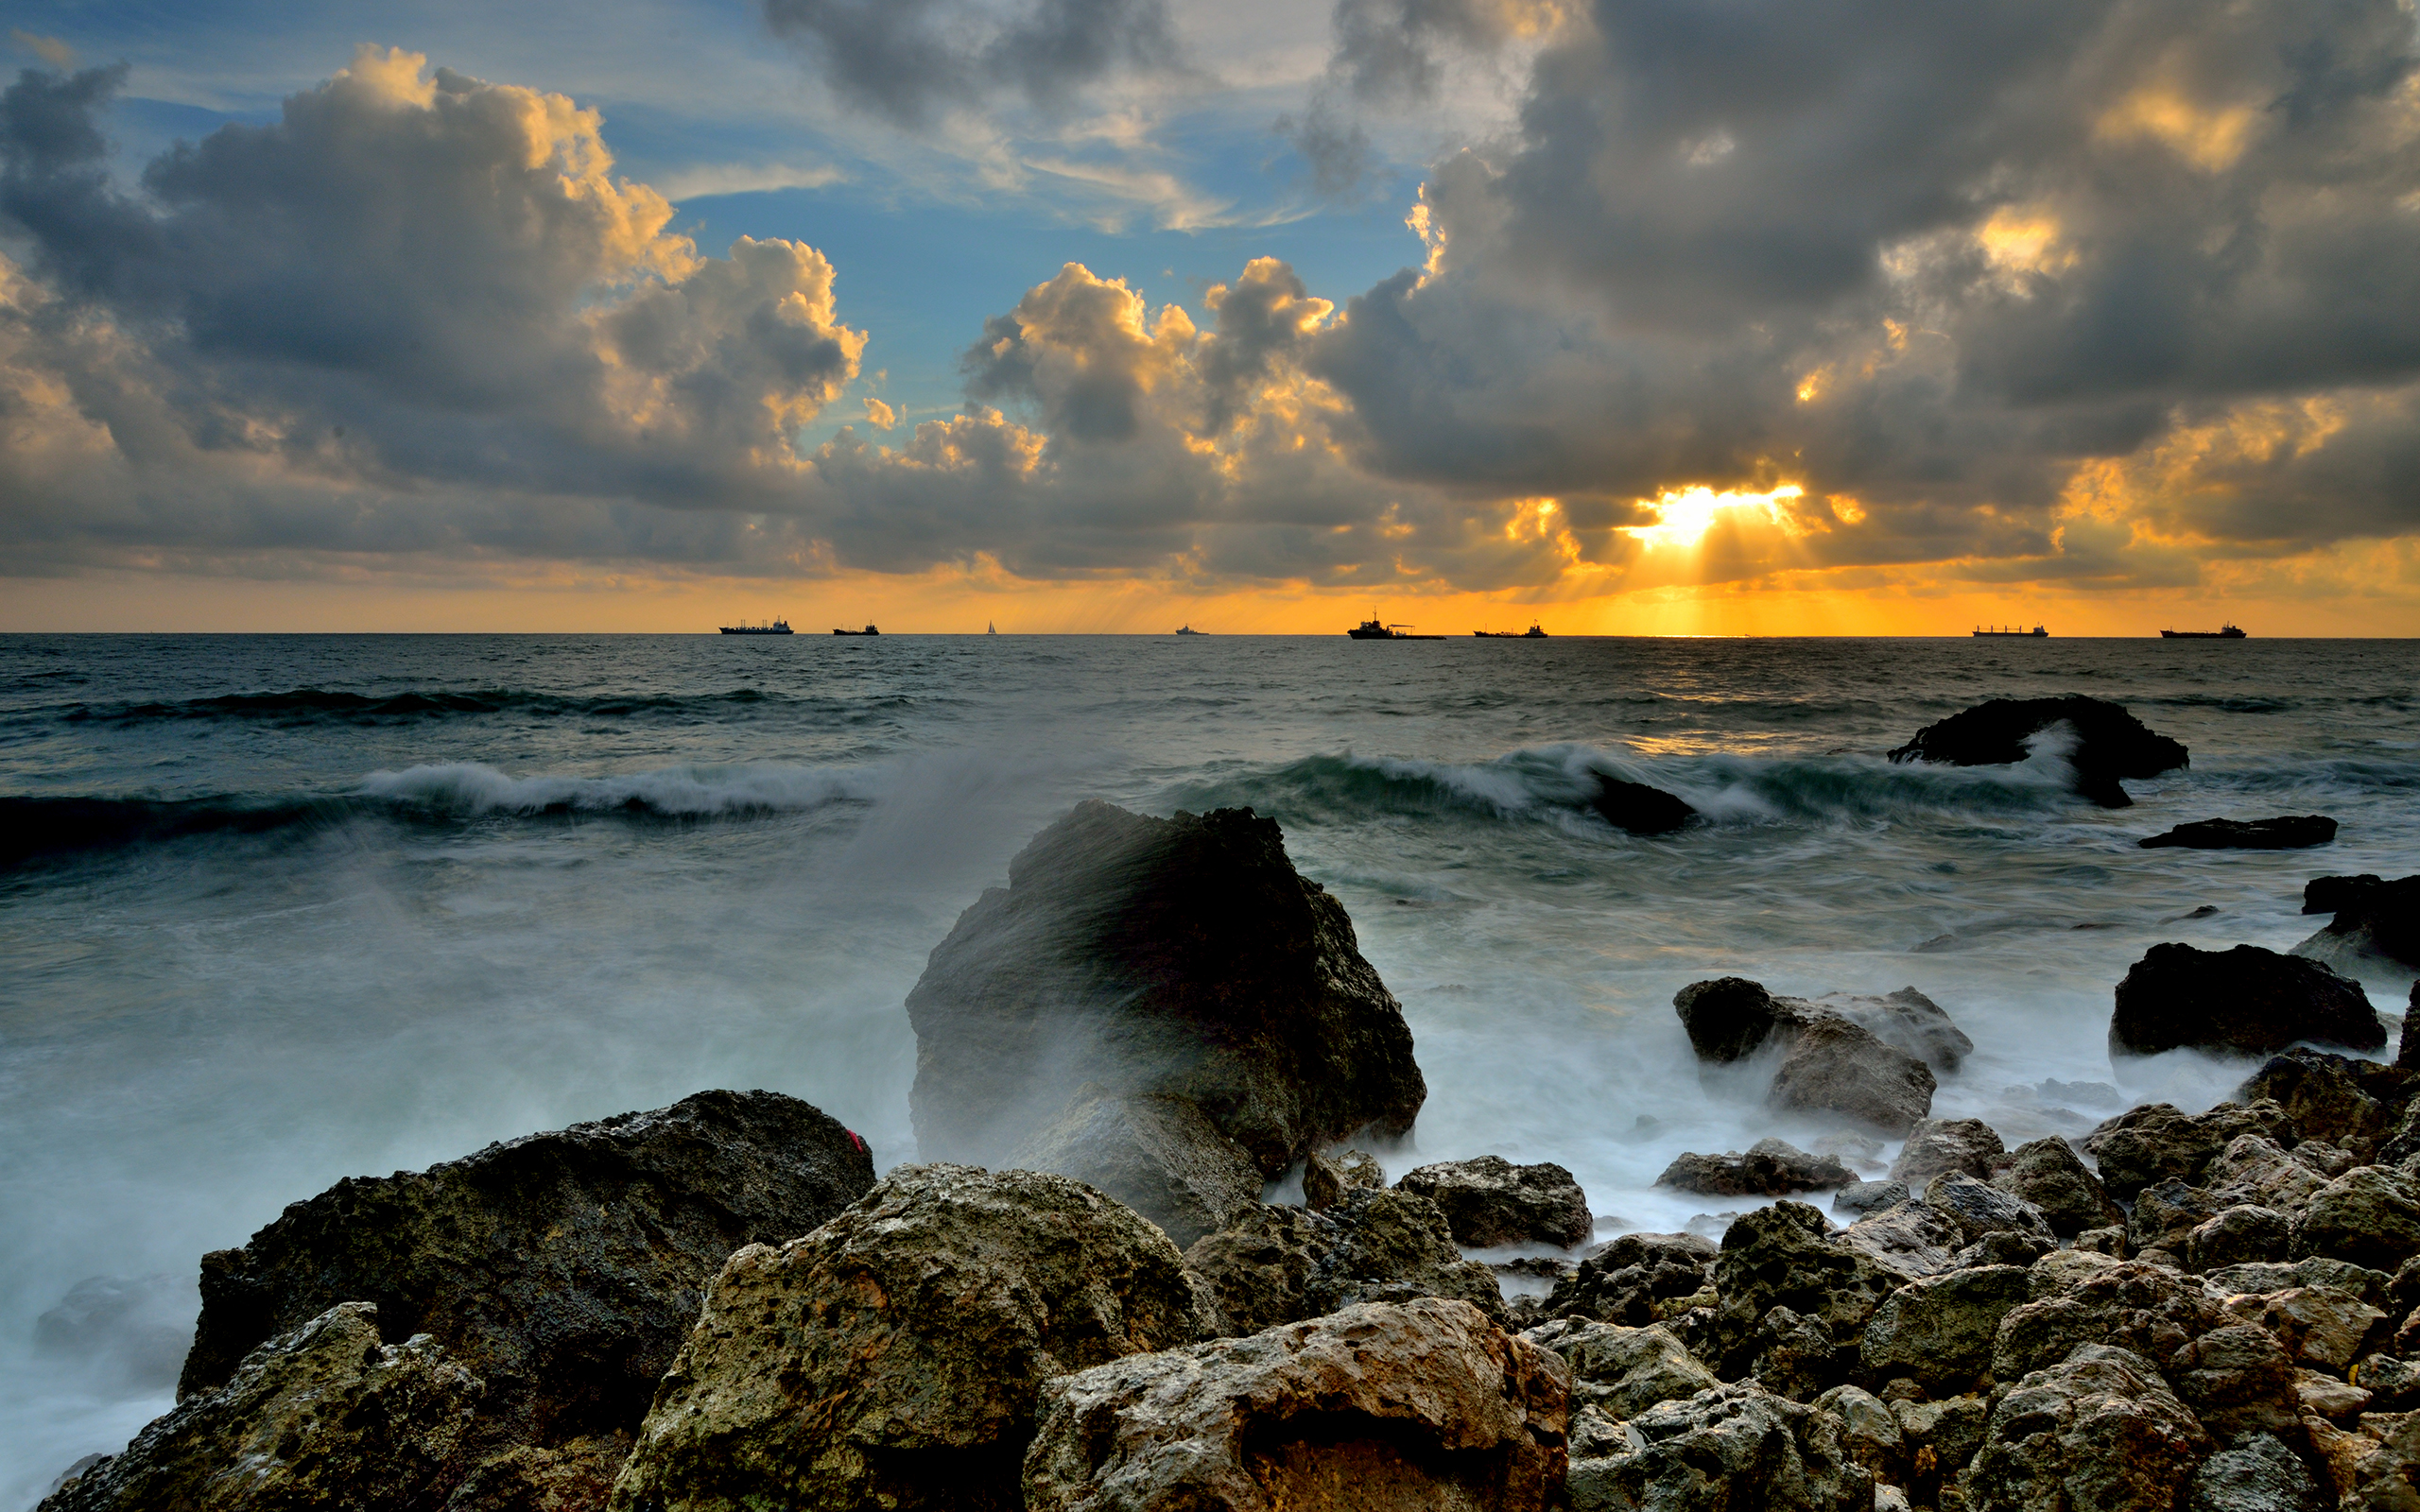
(2324,1396)
(2110,1241)
(2258,1171)
(1785,1257)
(1180,957)
(1770,1169)
(2149,1309)
(2099,1429)
(1938,1144)
(2048,1174)
(1490,1201)
(1280,1265)
(1833,1066)
(2245,1001)
(1622,1371)
(2373,1469)
(1638,1279)
(1159,1155)
(1730,1017)
(320,1416)
(2157,1143)
(895,1356)
(1734,1449)
(1795,1356)
(1938,1331)
(1977,1209)
(2006,1247)
(2166,1215)
(2260,1279)
(565,1269)
(2110,743)
(2262,1477)
(1910,1239)
(2326,895)
(1638,808)
(1941,1438)
(2369,1216)
(2291,832)
(2324,1095)
(1870,1431)
(1906,1021)
(2320,1327)
(1328,1176)
(132,1330)
(2238,1380)
(2236,1236)
(1863,1198)
(2394,1385)
(1423,1404)
(2374,918)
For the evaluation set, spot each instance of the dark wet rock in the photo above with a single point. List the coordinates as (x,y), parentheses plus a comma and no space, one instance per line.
(2110,743)
(1977,1209)
(2262,1477)
(322,1415)
(2291,832)
(2048,1174)
(2369,1216)
(1638,1279)
(2097,1430)
(1329,1175)
(2150,1309)
(1736,1447)
(1938,1144)
(1834,1067)
(2245,1000)
(1909,1238)
(2158,1141)
(2374,918)
(2239,1235)
(1941,1440)
(1490,1201)
(1623,1371)
(1638,808)
(565,1269)
(1869,1430)
(2326,895)
(895,1356)
(1860,1198)
(2394,1385)
(1181,957)
(1785,1256)
(2407,1046)
(1282,1265)
(1159,1155)
(2166,1214)
(2238,1380)
(2327,1097)
(1906,1021)
(1424,1404)
(1770,1169)
(1730,1017)
(1938,1331)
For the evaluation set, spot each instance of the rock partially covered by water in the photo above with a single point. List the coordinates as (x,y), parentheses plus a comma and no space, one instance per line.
(2374,918)
(1426,1404)
(2110,743)
(1905,1020)
(565,1269)
(1279,1265)
(2159,1142)
(1638,808)
(1834,1067)
(1180,958)
(2291,833)
(2099,1429)
(2246,1001)
(1490,1201)
(1730,1017)
(1159,1155)
(1329,1175)
(895,1356)
(1733,1449)
(2048,1174)
(1771,1168)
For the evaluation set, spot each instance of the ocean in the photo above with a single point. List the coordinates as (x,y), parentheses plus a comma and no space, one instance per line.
(276,910)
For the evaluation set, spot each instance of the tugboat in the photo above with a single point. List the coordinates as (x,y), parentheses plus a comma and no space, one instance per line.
(1372,630)
(1535,632)
(868,630)
(777,627)
(2224,632)
(1987,631)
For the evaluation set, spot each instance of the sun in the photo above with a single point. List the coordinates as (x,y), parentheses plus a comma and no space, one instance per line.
(1683,516)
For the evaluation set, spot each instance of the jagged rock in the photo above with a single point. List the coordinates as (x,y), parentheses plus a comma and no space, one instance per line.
(2238,1380)
(1622,1371)
(2373,1469)
(2262,1477)
(2062,1270)
(1864,1197)
(1327,1176)
(2245,1000)
(2097,1430)
(2110,743)
(1978,1207)
(2324,1096)
(1730,1017)
(2320,1326)
(2326,895)
(1910,1239)
(1638,808)
(1834,1067)
(2166,1215)
(2150,1309)
(1638,1279)
(1785,1257)
(1938,1331)
(1794,1356)
(1872,1434)
(565,1269)
(2257,1171)
(1770,1169)
(1736,1447)
(2324,1396)
(1490,1201)
(2158,1143)
(2048,1174)
(2292,831)
(319,1416)
(895,1356)
(2239,1235)
(1423,1404)
(1941,1438)
(1282,1265)
(1906,1021)
(2110,1241)
(1183,958)
(2374,918)
(2260,1279)
(2394,1385)
(2006,1247)
(2369,1216)
(1159,1155)
(1938,1144)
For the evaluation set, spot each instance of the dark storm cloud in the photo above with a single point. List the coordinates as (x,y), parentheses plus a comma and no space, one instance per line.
(911,60)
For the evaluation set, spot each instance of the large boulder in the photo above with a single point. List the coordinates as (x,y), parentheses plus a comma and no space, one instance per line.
(2245,1000)
(2374,918)
(1735,1448)
(1424,1404)
(2159,1142)
(1159,1155)
(1785,1257)
(1490,1201)
(2110,743)
(1834,1067)
(1180,958)
(1938,1331)
(1622,1371)
(2048,1174)
(2289,832)
(1771,1168)
(1940,1144)
(1728,1017)
(2369,1216)
(1638,808)
(894,1358)
(1278,1265)
(563,1269)
(1906,1021)
(2150,1309)
(1638,1279)
(2099,1429)
(2328,1097)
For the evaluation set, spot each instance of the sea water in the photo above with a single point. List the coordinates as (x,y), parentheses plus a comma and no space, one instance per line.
(276,910)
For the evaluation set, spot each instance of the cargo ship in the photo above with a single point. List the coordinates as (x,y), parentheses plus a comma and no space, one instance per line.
(1373,631)
(868,630)
(2224,632)
(1535,632)
(1988,631)
(777,627)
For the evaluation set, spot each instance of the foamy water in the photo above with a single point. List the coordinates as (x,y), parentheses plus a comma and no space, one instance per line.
(285,909)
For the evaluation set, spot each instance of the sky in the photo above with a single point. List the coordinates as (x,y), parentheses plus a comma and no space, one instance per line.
(1642,316)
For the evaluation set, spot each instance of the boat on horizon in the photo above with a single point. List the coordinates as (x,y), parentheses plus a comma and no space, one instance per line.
(1535,632)
(989,628)
(1991,631)
(777,627)
(2224,632)
(868,630)
(1369,630)
(1188,629)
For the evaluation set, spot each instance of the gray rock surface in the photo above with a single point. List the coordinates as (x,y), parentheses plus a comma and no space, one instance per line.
(2245,1000)
(2329,1097)
(2149,1309)
(2262,1477)
(1638,1279)
(1159,1155)
(1785,1256)
(2369,1216)
(1909,1239)
(2238,1380)
(1978,1207)
(1939,1332)
(1490,1201)
(1905,1020)
(1279,1265)
(2238,1235)
(1834,1067)
(2258,1172)
(1735,1448)
(2159,1142)
(2099,1429)
(2165,1215)
(1622,1371)
(1938,1144)
(1870,1431)
(1771,1168)
(2048,1174)
(1859,1199)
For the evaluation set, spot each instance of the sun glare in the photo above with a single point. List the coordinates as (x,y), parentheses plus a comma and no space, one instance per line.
(1683,516)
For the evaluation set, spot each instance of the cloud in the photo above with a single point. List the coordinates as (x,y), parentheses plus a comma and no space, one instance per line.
(49,49)
(707,180)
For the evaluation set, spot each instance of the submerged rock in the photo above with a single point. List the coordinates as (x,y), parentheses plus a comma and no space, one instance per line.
(1834,1067)
(1426,1404)
(2099,1429)
(2110,743)
(1159,1155)
(1490,1201)
(2374,918)
(894,1358)
(2247,1001)
(1279,1265)
(1180,957)
(1736,1447)
(1638,808)
(1770,1169)
(1906,1021)
(2293,832)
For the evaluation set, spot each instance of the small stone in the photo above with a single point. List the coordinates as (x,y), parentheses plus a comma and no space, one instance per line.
(1327,1176)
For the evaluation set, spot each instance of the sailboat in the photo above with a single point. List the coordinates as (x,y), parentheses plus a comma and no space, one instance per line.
(989,628)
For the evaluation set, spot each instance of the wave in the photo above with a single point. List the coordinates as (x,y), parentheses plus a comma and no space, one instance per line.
(301,707)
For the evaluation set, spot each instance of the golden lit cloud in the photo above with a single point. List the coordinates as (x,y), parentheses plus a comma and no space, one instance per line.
(1683,516)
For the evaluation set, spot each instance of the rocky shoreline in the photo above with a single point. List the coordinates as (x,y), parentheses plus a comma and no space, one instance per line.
(1085,1301)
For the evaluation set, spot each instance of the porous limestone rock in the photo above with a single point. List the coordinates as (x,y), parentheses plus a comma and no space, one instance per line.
(2262,1477)
(2329,1097)
(1785,1256)
(2245,1000)
(2165,1215)
(1834,1067)
(2369,1216)
(2243,1234)
(1159,1155)
(1938,1144)
(1490,1201)
(1279,1265)
(2260,1173)
(894,1357)
(1871,1431)
(1771,1168)
(1328,1174)
(2097,1430)
(2320,1327)
(1941,1440)
(2048,1174)
(1910,1238)
(1422,1405)
(2159,1142)
(1938,1331)
(1735,1448)
(1636,1279)
(2149,1309)
(1622,1371)
(2105,742)
(2238,1380)
(1862,1198)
